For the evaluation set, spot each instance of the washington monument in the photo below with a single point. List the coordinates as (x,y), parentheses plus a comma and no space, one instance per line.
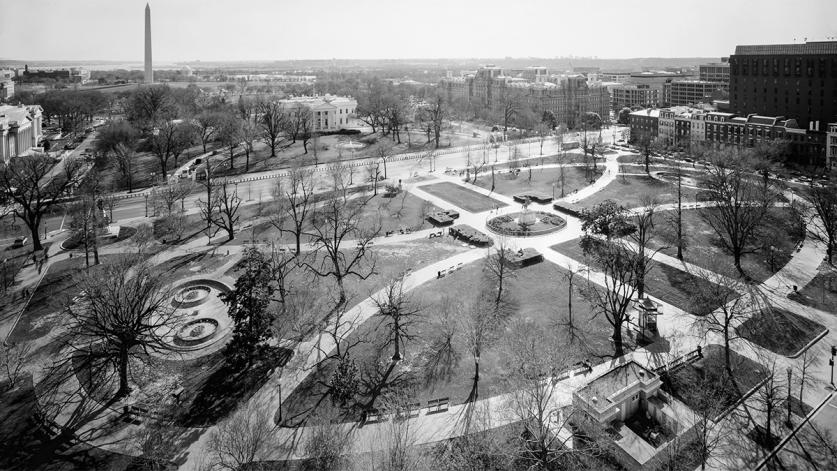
(149,72)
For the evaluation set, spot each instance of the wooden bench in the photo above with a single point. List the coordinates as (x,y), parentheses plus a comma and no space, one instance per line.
(375,416)
(436,406)
(409,411)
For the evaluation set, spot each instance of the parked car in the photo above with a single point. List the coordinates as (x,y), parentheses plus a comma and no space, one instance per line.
(19,242)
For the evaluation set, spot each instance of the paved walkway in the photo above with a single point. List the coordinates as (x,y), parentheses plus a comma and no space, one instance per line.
(675,325)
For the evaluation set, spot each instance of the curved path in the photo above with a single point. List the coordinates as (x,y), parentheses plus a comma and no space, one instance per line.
(675,325)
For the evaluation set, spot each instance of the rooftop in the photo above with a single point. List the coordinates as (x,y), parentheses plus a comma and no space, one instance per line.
(614,381)
(811,47)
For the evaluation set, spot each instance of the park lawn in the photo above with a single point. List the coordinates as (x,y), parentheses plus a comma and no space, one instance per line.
(821,292)
(543,179)
(534,300)
(183,266)
(704,249)
(780,331)
(629,191)
(462,197)
(691,382)
(664,282)
(404,211)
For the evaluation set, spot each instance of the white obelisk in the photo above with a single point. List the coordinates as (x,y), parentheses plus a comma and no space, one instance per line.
(149,72)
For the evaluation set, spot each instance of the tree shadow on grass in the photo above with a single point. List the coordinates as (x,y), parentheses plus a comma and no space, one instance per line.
(214,392)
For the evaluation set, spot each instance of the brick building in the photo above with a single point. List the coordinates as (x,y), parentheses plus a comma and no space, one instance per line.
(795,80)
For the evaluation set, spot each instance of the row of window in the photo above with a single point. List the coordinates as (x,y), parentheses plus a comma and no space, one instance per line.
(786,66)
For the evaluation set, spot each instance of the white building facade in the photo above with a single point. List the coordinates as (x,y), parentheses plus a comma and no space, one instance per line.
(20,130)
(329,113)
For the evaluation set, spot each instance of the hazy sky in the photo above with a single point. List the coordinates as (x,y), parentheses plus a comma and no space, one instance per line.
(345,29)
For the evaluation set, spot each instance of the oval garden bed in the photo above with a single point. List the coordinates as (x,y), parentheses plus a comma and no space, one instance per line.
(76,241)
(508,224)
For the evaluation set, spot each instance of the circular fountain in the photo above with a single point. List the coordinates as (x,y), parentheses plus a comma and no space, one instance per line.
(351,145)
(526,223)
(201,325)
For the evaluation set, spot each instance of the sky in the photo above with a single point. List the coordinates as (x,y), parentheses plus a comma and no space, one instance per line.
(231,30)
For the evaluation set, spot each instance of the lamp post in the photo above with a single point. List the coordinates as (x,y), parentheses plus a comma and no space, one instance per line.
(831,363)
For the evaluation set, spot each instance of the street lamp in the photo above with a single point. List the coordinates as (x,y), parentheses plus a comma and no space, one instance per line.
(831,364)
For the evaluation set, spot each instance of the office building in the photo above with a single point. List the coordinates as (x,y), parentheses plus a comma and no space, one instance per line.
(794,80)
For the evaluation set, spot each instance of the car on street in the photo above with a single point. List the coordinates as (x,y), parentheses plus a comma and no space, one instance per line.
(19,242)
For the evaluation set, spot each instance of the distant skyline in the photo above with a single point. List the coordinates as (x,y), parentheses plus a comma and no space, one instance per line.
(264,30)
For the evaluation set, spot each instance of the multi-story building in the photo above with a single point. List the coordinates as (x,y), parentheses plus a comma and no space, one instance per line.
(684,126)
(644,124)
(7,86)
(633,96)
(797,80)
(717,72)
(665,123)
(656,81)
(611,76)
(567,96)
(831,146)
(72,75)
(20,130)
(689,128)
(688,92)
(330,113)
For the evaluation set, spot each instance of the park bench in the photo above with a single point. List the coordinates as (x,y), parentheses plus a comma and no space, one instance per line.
(375,416)
(435,406)
(389,233)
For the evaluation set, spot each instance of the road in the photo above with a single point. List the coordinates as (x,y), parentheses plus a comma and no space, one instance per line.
(257,186)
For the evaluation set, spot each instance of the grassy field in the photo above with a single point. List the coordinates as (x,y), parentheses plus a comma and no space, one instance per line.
(543,179)
(534,300)
(404,211)
(629,191)
(694,382)
(704,249)
(669,284)
(780,331)
(821,292)
(462,197)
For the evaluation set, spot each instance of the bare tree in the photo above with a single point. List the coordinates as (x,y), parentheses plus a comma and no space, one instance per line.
(206,127)
(823,199)
(442,355)
(271,118)
(676,222)
(12,360)
(743,204)
(499,268)
(222,210)
(126,160)
(249,134)
(398,315)
(803,376)
(168,140)
(244,439)
(478,328)
(643,236)
(436,112)
(124,313)
(531,359)
(620,267)
(31,184)
(164,198)
(327,446)
(339,220)
(294,203)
